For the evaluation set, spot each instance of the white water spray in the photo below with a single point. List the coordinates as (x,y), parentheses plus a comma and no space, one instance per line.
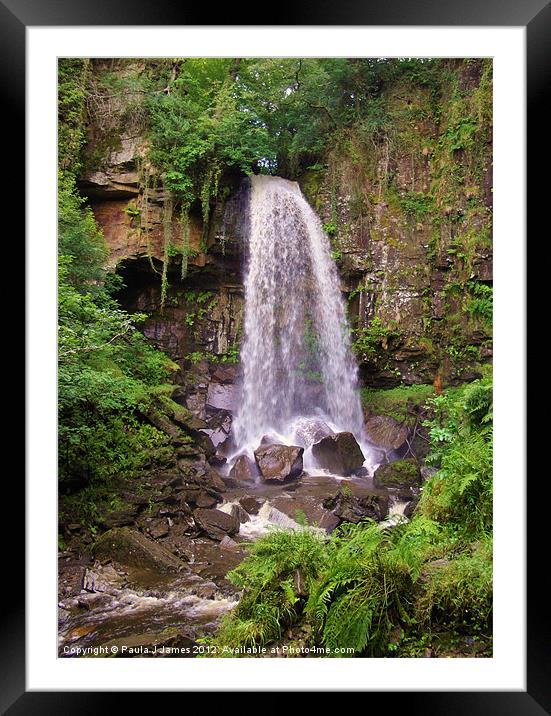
(296,353)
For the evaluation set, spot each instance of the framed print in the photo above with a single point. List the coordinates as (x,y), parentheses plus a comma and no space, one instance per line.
(267,355)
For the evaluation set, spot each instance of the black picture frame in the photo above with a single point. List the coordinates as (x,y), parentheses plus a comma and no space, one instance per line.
(535,16)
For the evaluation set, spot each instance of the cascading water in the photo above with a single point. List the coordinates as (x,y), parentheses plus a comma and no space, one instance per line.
(298,369)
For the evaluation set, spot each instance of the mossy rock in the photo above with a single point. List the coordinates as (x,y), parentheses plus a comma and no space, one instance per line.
(131,548)
(400,473)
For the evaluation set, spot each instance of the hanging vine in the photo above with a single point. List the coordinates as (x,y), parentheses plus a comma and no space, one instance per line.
(167,242)
(145,213)
(184,223)
(209,188)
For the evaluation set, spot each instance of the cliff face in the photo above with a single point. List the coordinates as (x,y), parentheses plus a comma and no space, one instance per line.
(410,212)
(407,207)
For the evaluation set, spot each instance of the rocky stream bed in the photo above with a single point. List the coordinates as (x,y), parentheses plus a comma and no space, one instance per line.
(152,581)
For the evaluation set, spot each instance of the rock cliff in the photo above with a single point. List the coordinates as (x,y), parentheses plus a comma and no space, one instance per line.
(407,206)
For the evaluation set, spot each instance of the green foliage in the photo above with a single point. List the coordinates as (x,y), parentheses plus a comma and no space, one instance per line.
(330,228)
(132,210)
(79,238)
(280,568)
(107,373)
(231,356)
(360,597)
(396,402)
(416,204)
(460,135)
(72,77)
(369,340)
(459,591)
(480,302)
(259,115)
(460,493)
(200,126)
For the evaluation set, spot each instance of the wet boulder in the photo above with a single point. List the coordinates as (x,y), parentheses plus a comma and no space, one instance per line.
(207,498)
(351,508)
(229,544)
(158,528)
(339,453)
(398,474)
(251,504)
(132,548)
(385,432)
(102,579)
(278,463)
(244,469)
(310,430)
(216,524)
(241,514)
(203,475)
(120,518)
(222,396)
(269,440)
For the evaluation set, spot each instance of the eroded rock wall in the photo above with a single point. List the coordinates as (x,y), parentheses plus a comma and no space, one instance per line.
(407,208)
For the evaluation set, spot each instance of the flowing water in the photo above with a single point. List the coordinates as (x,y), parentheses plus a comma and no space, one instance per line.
(296,356)
(299,385)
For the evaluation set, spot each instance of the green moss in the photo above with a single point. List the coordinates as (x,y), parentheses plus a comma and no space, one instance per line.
(395,402)
(311,183)
(399,473)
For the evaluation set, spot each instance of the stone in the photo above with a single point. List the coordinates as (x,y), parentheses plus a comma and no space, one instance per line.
(329,522)
(101,579)
(386,432)
(399,474)
(215,436)
(339,453)
(427,472)
(120,518)
(158,528)
(310,430)
(195,402)
(216,524)
(251,504)
(269,440)
(230,482)
(244,470)
(222,396)
(229,543)
(213,480)
(204,441)
(278,463)
(203,475)
(199,496)
(91,601)
(218,460)
(350,508)
(188,451)
(206,499)
(225,373)
(132,548)
(241,514)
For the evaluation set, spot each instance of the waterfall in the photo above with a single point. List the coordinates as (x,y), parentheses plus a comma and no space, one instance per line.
(296,354)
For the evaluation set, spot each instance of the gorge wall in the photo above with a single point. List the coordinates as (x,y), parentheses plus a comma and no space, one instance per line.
(407,204)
